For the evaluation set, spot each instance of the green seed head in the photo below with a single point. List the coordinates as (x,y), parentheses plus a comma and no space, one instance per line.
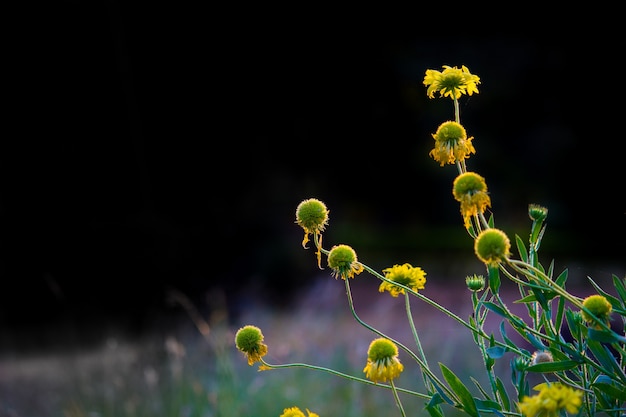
(492,246)
(599,306)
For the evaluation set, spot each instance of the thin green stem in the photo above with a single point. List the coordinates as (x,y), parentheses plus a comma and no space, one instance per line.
(396,397)
(269,366)
(441,309)
(407,303)
(424,367)
(482,345)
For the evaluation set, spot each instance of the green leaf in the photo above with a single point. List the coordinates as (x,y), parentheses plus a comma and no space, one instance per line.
(573,324)
(480,388)
(496,309)
(521,248)
(496,352)
(535,342)
(433,410)
(506,339)
(611,390)
(606,358)
(472,231)
(440,393)
(614,301)
(464,395)
(620,287)
(491,406)
(528,299)
(606,337)
(494,279)
(538,244)
(560,280)
(559,314)
(506,402)
(552,366)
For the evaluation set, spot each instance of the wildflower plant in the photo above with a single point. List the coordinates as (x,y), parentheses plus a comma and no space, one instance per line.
(576,345)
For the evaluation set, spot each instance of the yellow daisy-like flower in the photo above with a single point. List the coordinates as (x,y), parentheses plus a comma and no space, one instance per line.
(553,398)
(492,246)
(470,189)
(451,82)
(382,361)
(312,216)
(600,307)
(249,340)
(295,412)
(407,275)
(342,259)
(451,143)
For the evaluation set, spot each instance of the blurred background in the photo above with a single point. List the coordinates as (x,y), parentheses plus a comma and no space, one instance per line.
(156,150)
(160,149)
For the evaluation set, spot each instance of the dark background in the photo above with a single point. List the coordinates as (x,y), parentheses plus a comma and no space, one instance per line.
(157,148)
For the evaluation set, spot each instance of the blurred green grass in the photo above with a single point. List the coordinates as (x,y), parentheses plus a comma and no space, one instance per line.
(193,369)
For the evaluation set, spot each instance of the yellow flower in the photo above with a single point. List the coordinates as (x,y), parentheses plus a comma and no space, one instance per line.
(413,278)
(312,216)
(470,189)
(295,412)
(451,82)
(492,246)
(599,306)
(342,259)
(553,398)
(382,361)
(451,143)
(249,340)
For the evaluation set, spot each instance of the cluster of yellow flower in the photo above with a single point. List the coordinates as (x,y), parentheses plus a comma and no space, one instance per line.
(492,247)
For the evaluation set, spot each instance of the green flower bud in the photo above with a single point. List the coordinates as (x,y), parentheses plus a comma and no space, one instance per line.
(537,212)
(475,282)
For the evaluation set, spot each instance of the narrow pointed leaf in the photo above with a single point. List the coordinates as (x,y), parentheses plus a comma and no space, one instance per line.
(553,366)
(535,342)
(496,309)
(612,390)
(606,337)
(521,248)
(614,301)
(560,280)
(620,287)
(494,279)
(496,352)
(464,395)
(506,402)
(606,358)
(528,299)
(442,394)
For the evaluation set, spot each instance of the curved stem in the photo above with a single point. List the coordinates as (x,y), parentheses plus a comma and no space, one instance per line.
(396,397)
(442,309)
(416,337)
(269,366)
(529,272)
(423,366)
